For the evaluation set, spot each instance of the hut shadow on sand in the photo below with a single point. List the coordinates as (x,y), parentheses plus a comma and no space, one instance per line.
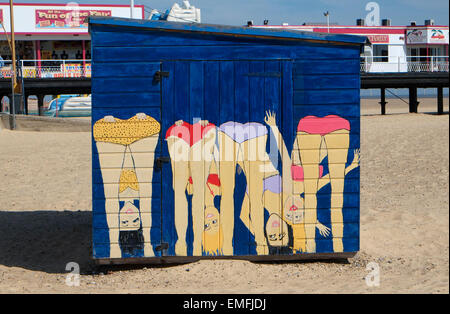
(46,240)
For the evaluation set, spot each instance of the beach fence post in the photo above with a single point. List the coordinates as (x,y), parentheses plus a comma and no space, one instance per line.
(383,101)
(413,103)
(40,98)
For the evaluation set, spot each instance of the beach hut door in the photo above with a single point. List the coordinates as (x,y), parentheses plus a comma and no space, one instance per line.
(200,100)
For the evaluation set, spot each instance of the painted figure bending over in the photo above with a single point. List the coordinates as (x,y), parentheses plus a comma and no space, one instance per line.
(282,194)
(243,145)
(126,151)
(212,239)
(316,139)
(191,152)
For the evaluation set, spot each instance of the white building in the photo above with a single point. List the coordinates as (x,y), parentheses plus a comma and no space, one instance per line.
(394,48)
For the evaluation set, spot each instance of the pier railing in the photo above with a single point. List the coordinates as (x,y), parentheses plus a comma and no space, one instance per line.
(48,68)
(380,64)
(82,68)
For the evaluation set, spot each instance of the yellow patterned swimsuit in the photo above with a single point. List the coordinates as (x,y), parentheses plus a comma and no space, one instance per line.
(125,132)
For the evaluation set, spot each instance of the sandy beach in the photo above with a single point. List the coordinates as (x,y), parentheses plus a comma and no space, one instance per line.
(45,219)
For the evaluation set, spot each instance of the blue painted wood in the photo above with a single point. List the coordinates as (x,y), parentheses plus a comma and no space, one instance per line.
(127,84)
(263,52)
(325,245)
(343,110)
(169,235)
(124,69)
(196,91)
(326,96)
(212,91)
(125,100)
(327,67)
(287,107)
(137,38)
(226,92)
(242,236)
(320,82)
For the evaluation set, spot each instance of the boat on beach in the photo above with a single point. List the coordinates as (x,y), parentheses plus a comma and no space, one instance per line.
(70,106)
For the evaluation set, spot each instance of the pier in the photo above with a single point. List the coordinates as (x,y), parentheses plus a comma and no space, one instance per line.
(56,79)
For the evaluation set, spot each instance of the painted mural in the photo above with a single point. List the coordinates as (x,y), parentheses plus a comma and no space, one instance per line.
(279,206)
(126,152)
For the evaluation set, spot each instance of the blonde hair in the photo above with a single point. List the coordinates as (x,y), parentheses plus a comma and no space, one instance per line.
(298,229)
(212,240)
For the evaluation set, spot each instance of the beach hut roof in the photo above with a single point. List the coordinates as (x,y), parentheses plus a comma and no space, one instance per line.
(232,31)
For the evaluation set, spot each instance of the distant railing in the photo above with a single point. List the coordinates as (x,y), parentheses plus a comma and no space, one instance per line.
(82,68)
(404,64)
(47,68)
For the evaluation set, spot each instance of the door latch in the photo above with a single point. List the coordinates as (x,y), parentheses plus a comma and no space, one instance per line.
(159,75)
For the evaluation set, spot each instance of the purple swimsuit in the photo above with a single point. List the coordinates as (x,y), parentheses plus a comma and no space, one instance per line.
(272,183)
(241,132)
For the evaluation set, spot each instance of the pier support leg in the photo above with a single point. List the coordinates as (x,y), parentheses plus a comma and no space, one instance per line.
(383,101)
(1,103)
(440,100)
(25,99)
(40,104)
(413,103)
(18,106)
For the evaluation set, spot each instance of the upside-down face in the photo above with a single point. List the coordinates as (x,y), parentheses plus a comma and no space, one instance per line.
(211,220)
(293,210)
(212,234)
(277,231)
(129,218)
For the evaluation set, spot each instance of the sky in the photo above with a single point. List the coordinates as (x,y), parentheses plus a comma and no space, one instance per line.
(296,12)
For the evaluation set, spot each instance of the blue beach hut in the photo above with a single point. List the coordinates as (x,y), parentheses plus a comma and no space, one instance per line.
(219,141)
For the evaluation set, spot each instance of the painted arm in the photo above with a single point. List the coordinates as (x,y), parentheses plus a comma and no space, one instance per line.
(285,156)
(323,230)
(355,163)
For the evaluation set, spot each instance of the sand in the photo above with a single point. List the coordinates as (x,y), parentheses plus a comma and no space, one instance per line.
(45,219)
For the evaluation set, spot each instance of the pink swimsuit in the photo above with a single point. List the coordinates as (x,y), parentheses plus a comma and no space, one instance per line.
(190,133)
(298,175)
(322,126)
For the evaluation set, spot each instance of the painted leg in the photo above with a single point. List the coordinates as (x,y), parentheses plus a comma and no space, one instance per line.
(255,164)
(337,145)
(309,148)
(144,157)
(227,171)
(179,155)
(199,177)
(245,213)
(111,160)
(201,156)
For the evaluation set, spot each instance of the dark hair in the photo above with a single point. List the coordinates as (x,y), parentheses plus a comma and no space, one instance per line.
(281,250)
(131,242)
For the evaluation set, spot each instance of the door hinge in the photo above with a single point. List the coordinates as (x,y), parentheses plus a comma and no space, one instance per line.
(159,75)
(161,160)
(162,246)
